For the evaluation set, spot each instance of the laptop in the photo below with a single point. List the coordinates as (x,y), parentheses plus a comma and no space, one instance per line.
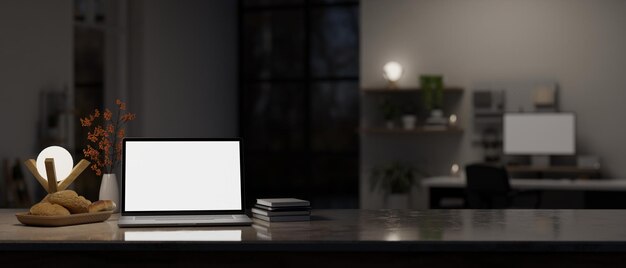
(182,182)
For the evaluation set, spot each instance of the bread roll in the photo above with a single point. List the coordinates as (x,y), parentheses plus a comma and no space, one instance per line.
(47,209)
(45,199)
(102,205)
(70,200)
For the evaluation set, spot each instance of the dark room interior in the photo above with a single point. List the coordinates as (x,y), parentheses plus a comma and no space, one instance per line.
(287,133)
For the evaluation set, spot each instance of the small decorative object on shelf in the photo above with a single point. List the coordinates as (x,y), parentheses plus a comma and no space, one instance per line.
(390,112)
(452,120)
(409,117)
(408,121)
(432,91)
(392,71)
(455,169)
(432,86)
(104,146)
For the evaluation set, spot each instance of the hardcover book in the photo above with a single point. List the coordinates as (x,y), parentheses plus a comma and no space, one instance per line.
(283,218)
(283,202)
(282,208)
(280,213)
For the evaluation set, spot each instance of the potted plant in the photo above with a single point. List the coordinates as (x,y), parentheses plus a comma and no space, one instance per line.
(389,112)
(396,181)
(432,94)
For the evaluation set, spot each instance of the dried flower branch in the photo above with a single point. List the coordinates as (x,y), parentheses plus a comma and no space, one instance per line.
(104,142)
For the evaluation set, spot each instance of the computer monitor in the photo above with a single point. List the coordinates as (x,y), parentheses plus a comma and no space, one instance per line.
(539,134)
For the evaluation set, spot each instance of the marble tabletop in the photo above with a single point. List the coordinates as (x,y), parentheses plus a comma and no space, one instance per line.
(348,230)
(609,185)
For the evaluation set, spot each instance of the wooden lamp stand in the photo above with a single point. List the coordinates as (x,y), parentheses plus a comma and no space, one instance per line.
(51,185)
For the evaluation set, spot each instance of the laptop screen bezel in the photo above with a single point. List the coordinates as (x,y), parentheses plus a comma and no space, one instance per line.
(182,212)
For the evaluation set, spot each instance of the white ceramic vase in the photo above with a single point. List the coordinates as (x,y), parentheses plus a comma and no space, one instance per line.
(109,189)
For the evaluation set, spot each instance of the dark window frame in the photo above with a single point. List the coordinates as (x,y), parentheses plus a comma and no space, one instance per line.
(308,81)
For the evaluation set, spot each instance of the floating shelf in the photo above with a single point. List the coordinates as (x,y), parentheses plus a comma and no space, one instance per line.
(406,90)
(417,130)
(553,169)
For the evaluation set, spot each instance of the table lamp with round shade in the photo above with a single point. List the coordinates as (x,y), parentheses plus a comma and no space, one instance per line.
(54,168)
(392,71)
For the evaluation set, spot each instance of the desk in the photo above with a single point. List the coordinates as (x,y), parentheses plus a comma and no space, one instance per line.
(336,238)
(577,172)
(606,187)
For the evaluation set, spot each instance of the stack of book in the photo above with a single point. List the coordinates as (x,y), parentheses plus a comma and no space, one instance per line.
(436,122)
(282,209)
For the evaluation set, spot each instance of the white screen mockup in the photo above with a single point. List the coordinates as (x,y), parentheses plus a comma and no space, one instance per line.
(539,134)
(182,176)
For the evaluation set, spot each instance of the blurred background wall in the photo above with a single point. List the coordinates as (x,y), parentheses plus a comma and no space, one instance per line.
(35,55)
(184,67)
(484,43)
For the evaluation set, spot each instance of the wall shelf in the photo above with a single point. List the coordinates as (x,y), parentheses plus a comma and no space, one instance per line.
(417,130)
(407,90)
(552,169)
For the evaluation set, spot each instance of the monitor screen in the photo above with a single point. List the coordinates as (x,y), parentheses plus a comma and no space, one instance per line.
(182,175)
(539,134)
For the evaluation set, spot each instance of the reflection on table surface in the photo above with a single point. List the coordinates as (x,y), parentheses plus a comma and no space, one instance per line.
(183,235)
(355,226)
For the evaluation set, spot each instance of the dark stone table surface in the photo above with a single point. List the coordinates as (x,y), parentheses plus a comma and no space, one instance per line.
(348,231)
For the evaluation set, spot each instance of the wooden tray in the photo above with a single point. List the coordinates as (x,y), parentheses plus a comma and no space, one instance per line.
(54,221)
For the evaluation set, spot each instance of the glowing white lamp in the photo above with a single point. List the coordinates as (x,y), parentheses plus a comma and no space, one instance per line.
(454,169)
(54,168)
(63,162)
(453,119)
(392,71)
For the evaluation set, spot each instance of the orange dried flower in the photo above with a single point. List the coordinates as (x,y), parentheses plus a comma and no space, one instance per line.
(107,114)
(85,122)
(118,149)
(127,117)
(104,148)
(121,133)
(95,168)
(120,104)
(92,137)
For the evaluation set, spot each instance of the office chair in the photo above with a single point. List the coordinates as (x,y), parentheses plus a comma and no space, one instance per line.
(488,188)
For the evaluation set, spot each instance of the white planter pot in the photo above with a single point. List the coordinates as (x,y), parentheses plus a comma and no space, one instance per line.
(109,189)
(389,124)
(408,121)
(398,201)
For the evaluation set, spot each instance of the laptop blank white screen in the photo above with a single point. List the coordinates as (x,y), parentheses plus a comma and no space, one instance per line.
(182,176)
